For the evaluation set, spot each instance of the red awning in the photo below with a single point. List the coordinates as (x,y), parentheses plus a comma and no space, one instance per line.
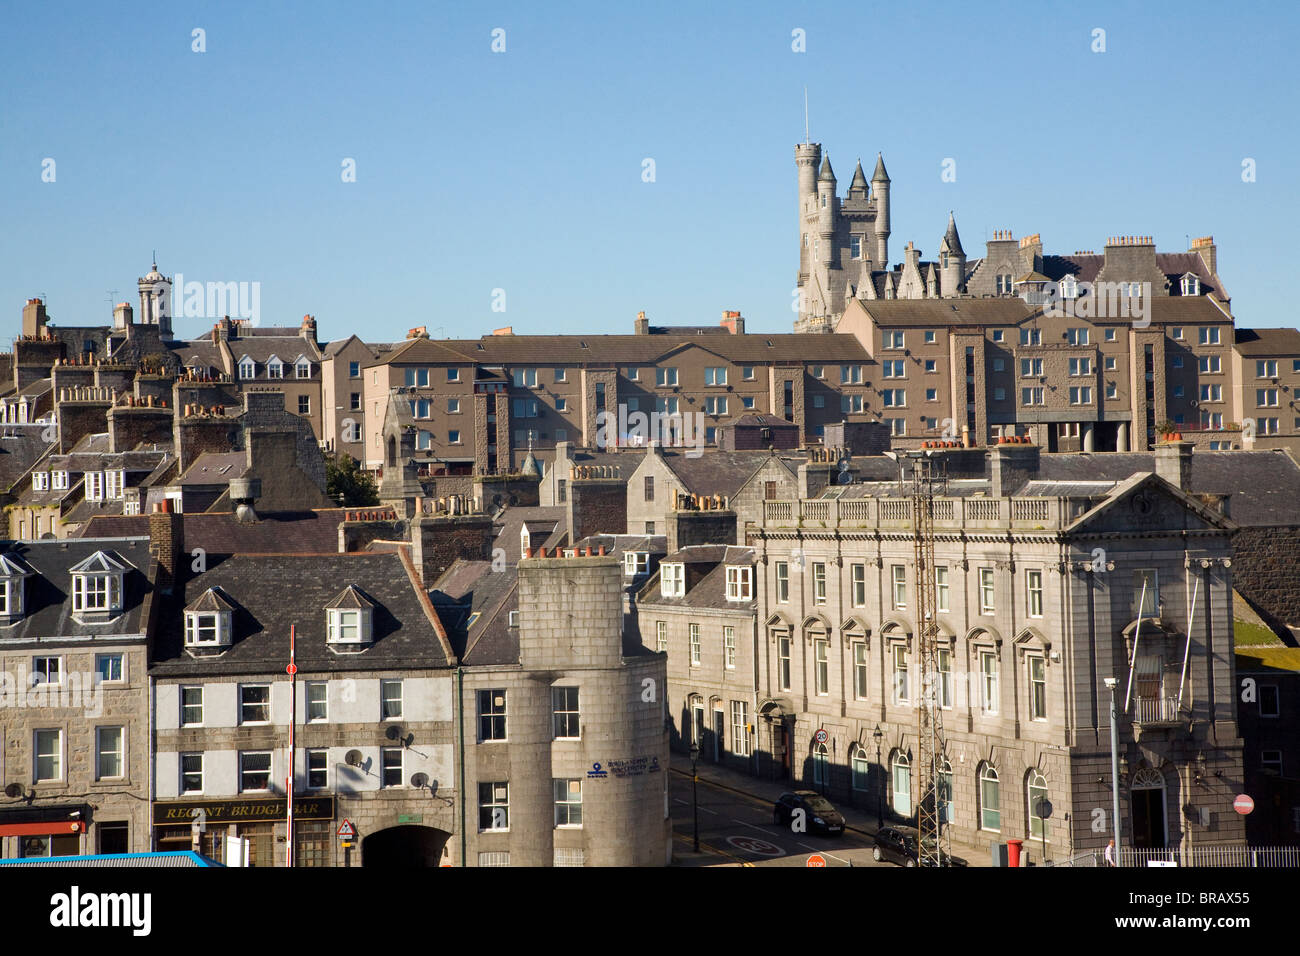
(48,828)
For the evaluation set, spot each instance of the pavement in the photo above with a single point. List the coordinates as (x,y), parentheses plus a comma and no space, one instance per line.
(736,826)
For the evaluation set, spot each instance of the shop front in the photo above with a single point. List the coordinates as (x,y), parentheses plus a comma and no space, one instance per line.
(43,831)
(247,832)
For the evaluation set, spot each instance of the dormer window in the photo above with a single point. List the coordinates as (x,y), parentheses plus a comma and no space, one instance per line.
(247,368)
(1069,288)
(97,585)
(1191,285)
(40,481)
(12,572)
(94,486)
(672,581)
(636,562)
(350,621)
(208,621)
(274,368)
(740,584)
(59,480)
(302,369)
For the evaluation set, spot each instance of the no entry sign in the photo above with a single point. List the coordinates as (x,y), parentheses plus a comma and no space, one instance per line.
(1243,804)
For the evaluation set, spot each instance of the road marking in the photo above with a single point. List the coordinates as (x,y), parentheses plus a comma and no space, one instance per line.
(707,810)
(755,845)
(755,826)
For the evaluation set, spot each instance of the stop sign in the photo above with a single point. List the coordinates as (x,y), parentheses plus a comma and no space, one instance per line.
(1243,804)
(816,860)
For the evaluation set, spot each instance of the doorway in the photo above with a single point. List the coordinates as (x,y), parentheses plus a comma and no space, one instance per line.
(404,847)
(1147,800)
(719,728)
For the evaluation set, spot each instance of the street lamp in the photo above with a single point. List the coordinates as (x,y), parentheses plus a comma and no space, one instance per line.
(1111,683)
(879,735)
(695,793)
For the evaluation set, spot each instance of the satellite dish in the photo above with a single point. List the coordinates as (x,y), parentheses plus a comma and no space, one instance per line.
(420,780)
(393,732)
(14,790)
(352,758)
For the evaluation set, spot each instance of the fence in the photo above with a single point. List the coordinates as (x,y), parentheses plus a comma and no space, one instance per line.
(1273,857)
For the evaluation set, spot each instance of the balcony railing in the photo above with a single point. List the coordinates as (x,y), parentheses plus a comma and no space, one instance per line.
(1155,710)
(978,512)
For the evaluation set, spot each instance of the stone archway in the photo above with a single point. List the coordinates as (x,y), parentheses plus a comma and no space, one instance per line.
(404,847)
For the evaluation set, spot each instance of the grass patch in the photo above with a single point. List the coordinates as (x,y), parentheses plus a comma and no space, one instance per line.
(1245,634)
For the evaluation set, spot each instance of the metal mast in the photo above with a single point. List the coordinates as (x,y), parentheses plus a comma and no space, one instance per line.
(931,750)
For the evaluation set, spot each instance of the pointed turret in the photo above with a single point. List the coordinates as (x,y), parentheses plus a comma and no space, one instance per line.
(859,182)
(827,174)
(880,176)
(952,262)
(951,241)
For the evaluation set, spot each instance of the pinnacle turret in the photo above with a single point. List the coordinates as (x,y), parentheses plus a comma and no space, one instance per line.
(859,180)
(827,174)
(951,241)
(880,176)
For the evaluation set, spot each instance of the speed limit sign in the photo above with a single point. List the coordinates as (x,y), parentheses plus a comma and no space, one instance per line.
(821,736)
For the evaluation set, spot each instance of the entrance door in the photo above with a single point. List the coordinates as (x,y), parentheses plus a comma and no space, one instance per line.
(1147,798)
(697,722)
(781,750)
(719,725)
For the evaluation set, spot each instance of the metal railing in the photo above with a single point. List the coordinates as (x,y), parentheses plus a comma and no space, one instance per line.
(954,512)
(1270,857)
(1155,710)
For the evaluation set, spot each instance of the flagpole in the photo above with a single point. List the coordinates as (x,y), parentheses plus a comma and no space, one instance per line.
(293,720)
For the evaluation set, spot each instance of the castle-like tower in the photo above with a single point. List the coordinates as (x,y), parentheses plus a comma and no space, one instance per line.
(842,242)
(155,302)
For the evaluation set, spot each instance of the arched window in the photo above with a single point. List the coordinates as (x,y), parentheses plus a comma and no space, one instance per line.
(1036,793)
(902,790)
(945,791)
(821,774)
(990,799)
(861,768)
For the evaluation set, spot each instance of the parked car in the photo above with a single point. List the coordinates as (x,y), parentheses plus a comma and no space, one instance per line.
(819,814)
(898,845)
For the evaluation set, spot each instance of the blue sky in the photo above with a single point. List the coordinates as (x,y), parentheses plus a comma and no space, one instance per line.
(522,170)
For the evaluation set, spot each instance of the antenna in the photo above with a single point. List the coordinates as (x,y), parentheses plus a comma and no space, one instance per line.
(806,138)
(112,297)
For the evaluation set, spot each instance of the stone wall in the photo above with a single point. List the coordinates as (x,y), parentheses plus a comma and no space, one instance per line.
(1266,571)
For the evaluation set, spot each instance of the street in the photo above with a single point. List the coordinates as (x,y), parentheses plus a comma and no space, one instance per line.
(737,829)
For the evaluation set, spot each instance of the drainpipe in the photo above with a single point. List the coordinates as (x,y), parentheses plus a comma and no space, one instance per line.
(460,731)
(153,759)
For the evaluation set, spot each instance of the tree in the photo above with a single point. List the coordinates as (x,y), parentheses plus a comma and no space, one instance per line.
(347,483)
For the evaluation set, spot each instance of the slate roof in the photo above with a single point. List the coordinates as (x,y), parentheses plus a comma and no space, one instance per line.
(1268,342)
(710,591)
(273,591)
(47,601)
(604,350)
(215,468)
(472,587)
(940,313)
(201,352)
(1264,485)
(715,472)
(21,446)
(296,532)
(538,518)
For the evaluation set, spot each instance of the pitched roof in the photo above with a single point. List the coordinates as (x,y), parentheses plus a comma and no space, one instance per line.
(215,468)
(257,586)
(21,446)
(1284,342)
(298,532)
(47,601)
(715,472)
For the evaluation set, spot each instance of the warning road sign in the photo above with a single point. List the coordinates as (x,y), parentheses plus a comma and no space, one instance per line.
(346,830)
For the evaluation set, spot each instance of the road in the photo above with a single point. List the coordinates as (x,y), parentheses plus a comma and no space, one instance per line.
(736,828)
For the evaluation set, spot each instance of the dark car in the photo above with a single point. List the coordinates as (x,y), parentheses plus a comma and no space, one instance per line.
(819,815)
(898,845)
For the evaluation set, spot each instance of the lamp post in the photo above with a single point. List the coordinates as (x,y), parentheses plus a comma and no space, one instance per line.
(1111,683)
(695,794)
(879,735)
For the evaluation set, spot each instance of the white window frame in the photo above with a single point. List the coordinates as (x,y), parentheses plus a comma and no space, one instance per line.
(672,581)
(183,773)
(696,649)
(990,689)
(180,700)
(243,704)
(822,665)
(729,647)
(941,588)
(119,753)
(1037,686)
(900,673)
(739,728)
(740,583)
(568,811)
(819,582)
(391,694)
(898,585)
(491,717)
(243,772)
(56,755)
